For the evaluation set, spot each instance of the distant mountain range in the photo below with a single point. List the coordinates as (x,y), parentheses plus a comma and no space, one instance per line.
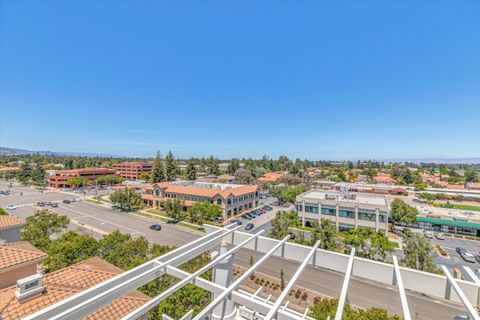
(16,151)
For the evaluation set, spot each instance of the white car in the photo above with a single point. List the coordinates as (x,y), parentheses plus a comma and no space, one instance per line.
(467,256)
(428,234)
(11,207)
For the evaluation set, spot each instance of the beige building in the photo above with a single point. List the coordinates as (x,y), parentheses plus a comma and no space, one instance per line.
(232,198)
(347,211)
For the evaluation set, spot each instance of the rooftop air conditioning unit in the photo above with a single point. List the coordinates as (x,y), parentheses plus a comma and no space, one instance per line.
(29,288)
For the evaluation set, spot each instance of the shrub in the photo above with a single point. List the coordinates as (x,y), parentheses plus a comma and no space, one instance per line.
(298,293)
(304,295)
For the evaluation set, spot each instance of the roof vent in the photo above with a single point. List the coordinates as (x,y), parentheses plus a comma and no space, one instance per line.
(29,288)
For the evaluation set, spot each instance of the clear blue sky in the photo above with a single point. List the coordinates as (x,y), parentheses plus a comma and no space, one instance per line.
(321,80)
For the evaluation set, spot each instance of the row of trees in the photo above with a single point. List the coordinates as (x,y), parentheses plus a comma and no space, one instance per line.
(367,243)
(197,213)
(164,170)
(28,174)
(119,249)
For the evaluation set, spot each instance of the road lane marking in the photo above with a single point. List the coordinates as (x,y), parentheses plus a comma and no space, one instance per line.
(85,215)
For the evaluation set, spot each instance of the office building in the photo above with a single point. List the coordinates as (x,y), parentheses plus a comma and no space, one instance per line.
(132,170)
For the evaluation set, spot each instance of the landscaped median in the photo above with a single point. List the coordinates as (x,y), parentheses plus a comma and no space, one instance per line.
(161,216)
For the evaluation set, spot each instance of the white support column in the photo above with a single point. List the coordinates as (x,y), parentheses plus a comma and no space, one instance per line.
(377,213)
(223,275)
(291,283)
(337,215)
(471,310)
(303,213)
(356,217)
(319,211)
(346,280)
(206,311)
(401,289)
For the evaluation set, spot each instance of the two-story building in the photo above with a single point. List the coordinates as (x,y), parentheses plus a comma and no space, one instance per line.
(346,211)
(60,178)
(132,170)
(232,198)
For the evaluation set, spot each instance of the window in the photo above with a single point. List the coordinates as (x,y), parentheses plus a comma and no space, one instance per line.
(382,218)
(157,193)
(311,208)
(366,216)
(229,201)
(329,211)
(347,214)
(219,202)
(299,207)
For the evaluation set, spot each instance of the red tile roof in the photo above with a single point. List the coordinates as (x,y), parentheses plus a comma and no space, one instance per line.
(8,221)
(16,253)
(66,282)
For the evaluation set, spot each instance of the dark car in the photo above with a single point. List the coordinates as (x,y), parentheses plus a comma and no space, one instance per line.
(41,204)
(246,217)
(156,227)
(251,215)
(66,201)
(460,250)
(249,226)
(268,208)
(54,205)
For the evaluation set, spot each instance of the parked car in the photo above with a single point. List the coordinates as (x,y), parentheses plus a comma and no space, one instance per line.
(419,200)
(467,256)
(54,205)
(239,222)
(66,201)
(477,257)
(439,236)
(11,207)
(428,234)
(48,203)
(268,208)
(460,250)
(249,226)
(156,227)
(251,215)
(246,217)
(41,204)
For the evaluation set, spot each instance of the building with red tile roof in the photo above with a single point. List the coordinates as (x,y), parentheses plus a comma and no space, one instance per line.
(383,178)
(271,177)
(61,284)
(232,198)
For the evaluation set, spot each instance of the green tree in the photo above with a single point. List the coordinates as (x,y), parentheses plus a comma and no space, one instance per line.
(69,248)
(78,182)
(38,175)
(109,180)
(282,279)
(170,167)
(402,212)
(327,233)
(126,200)
(24,175)
(144,176)
(327,308)
(417,253)
(41,226)
(3,212)
(191,170)
(282,221)
(201,211)
(233,166)
(244,176)
(158,169)
(174,209)
(290,194)
(122,250)
(212,166)
(369,244)
(421,186)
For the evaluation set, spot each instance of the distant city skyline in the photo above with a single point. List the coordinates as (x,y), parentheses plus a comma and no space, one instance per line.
(315,80)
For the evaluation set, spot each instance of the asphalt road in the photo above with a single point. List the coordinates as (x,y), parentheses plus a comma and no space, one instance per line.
(362,292)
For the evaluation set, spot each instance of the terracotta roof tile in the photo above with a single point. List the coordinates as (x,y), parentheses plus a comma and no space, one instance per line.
(67,282)
(204,192)
(10,221)
(12,254)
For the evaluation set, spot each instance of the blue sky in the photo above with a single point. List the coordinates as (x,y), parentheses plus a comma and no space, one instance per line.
(318,80)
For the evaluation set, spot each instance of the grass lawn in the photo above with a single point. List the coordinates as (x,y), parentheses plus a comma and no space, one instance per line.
(160,215)
(458,206)
(93,201)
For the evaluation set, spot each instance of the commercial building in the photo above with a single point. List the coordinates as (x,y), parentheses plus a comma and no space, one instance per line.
(232,198)
(346,210)
(60,178)
(10,227)
(24,290)
(132,170)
